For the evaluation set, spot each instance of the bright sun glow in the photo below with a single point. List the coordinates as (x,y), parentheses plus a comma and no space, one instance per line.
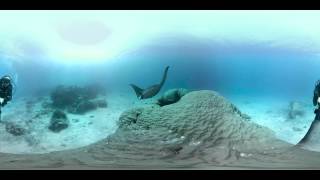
(94,36)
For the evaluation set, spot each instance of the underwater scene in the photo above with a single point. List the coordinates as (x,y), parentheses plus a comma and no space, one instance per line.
(159,89)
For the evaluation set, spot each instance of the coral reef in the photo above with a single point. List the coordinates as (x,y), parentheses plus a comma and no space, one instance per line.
(83,107)
(201,121)
(65,96)
(91,91)
(78,100)
(59,121)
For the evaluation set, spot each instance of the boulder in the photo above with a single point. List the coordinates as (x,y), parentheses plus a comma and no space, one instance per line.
(172,96)
(91,91)
(59,121)
(64,96)
(83,107)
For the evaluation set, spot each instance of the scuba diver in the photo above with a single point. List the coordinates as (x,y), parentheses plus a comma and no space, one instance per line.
(316,94)
(5,91)
(316,102)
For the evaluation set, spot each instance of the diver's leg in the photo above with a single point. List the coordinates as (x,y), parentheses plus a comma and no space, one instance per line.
(312,126)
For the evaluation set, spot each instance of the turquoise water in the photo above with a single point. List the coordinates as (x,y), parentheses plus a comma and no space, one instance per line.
(261,73)
(244,69)
(261,78)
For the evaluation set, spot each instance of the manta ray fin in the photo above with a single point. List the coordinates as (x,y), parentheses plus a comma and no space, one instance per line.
(137,90)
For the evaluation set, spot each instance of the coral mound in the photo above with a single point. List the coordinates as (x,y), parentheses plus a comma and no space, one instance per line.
(200,121)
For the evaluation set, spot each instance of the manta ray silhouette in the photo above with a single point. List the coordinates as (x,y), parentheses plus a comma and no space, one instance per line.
(152,90)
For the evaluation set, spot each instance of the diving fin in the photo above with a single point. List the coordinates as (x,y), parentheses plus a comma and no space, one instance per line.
(137,90)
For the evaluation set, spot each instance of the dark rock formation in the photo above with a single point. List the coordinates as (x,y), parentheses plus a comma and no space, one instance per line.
(78,100)
(59,121)
(15,129)
(83,107)
(91,91)
(172,96)
(63,97)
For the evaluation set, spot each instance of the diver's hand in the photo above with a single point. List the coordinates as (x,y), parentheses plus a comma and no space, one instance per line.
(1,100)
(318,100)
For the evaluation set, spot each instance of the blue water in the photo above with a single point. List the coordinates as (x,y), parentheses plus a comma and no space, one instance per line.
(247,70)
(267,76)
(244,69)
(256,77)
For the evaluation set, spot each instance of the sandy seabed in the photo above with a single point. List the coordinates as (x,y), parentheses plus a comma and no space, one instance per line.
(84,145)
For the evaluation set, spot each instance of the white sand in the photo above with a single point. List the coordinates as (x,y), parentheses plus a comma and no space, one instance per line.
(273,113)
(83,129)
(97,125)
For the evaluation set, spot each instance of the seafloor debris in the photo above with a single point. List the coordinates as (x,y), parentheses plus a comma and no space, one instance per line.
(295,110)
(59,121)
(297,129)
(101,103)
(15,129)
(29,105)
(32,139)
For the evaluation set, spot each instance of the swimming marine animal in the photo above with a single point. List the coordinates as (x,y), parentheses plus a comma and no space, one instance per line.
(152,90)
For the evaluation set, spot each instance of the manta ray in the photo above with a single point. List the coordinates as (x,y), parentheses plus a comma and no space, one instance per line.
(152,90)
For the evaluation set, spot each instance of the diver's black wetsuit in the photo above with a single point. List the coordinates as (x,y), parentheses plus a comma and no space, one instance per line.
(5,93)
(316,95)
